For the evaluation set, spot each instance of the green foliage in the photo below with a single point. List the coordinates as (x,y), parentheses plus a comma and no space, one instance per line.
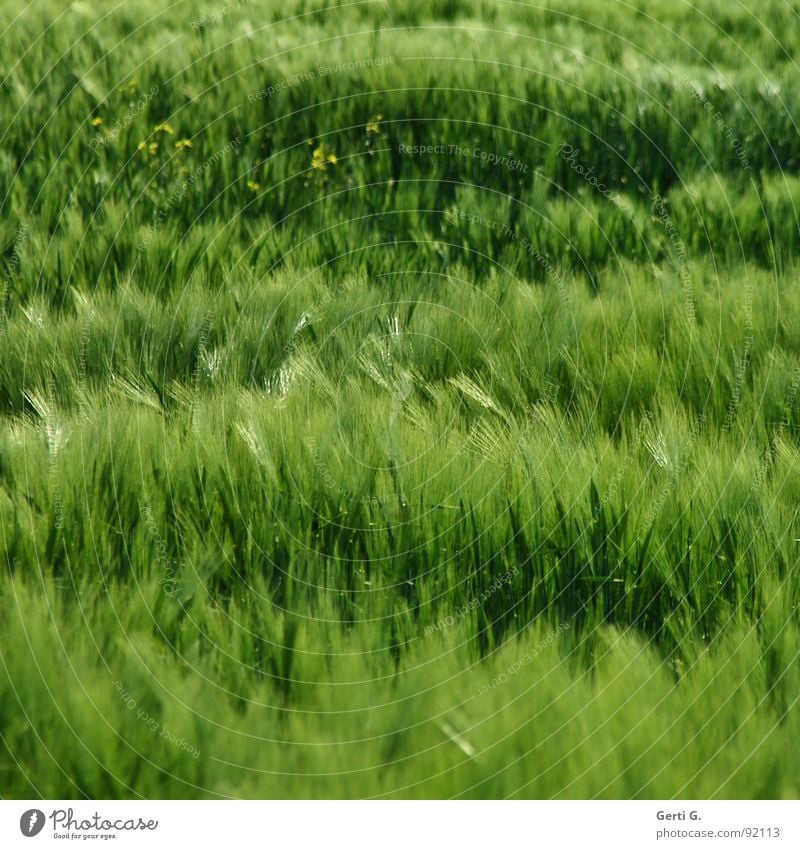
(332,468)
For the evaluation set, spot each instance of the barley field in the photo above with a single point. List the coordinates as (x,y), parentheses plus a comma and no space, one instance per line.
(400,399)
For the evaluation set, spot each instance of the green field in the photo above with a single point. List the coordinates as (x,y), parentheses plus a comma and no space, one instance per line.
(400,400)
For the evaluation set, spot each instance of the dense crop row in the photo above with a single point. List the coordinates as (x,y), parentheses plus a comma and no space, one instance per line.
(399,399)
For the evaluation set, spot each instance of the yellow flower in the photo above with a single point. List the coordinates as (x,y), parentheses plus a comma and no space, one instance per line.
(96,122)
(152,147)
(182,143)
(164,127)
(141,146)
(374,124)
(253,186)
(321,157)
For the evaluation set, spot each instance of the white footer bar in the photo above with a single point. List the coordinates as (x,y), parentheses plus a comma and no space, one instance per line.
(401,824)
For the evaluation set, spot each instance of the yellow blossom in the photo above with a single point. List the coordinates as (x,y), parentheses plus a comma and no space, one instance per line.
(321,157)
(253,186)
(96,122)
(181,143)
(374,124)
(152,147)
(163,127)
